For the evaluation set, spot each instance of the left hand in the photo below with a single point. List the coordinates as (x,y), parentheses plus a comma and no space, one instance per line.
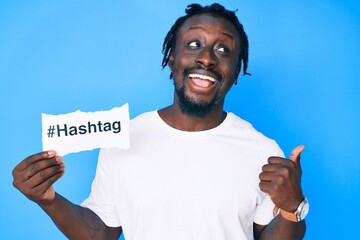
(281,179)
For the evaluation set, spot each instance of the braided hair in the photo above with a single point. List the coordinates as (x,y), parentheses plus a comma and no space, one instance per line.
(218,10)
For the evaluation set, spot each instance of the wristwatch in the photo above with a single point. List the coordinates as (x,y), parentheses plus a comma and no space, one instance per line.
(300,213)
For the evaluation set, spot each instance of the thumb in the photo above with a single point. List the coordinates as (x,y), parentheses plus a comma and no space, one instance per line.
(295,155)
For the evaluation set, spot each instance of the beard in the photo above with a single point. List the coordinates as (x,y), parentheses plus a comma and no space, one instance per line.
(191,107)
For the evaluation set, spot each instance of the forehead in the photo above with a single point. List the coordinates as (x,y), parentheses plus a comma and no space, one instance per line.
(207,21)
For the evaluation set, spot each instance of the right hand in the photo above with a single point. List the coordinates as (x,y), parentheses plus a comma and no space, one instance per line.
(36,174)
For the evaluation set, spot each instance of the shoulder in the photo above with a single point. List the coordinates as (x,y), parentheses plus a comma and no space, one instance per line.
(144,118)
(242,129)
(146,122)
(235,124)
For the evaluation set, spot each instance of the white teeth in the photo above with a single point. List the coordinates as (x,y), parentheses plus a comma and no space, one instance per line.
(194,75)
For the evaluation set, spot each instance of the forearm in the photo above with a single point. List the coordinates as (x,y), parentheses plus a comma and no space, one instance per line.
(74,221)
(282,229)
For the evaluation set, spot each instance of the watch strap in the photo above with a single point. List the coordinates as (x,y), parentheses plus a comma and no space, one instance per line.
(294,217)
(289,216)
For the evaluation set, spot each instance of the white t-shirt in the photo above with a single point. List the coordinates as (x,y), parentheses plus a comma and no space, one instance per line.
(176,185)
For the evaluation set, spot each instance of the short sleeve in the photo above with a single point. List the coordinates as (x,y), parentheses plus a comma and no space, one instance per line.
(101,199)
(265,207)
(264,211)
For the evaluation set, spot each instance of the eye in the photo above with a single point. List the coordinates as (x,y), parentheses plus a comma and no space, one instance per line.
(223,49)
(194,44)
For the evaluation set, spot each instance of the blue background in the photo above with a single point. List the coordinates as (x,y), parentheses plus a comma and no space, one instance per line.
(61,56)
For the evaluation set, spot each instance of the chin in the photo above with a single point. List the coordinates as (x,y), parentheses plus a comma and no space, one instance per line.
(192,107)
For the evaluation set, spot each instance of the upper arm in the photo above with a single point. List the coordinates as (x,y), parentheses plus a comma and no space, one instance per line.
(257,230)
(113,232)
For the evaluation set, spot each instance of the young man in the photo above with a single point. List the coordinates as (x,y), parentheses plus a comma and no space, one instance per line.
(193,169)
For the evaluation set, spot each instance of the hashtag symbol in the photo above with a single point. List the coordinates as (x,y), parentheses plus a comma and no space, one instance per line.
(51,131)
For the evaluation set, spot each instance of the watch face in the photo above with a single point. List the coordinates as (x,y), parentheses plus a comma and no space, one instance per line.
(304,211)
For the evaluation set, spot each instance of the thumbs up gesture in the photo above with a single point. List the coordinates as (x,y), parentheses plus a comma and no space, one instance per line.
(281,180)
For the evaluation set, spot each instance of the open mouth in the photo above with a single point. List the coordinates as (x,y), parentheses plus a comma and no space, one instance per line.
(202,80)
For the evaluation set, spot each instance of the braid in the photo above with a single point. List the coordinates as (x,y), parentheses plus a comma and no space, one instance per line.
(217,9)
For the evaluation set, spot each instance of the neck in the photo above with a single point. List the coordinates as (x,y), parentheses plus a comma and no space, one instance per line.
(173,116)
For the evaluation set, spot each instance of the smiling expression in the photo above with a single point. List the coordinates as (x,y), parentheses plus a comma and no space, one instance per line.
(205,62)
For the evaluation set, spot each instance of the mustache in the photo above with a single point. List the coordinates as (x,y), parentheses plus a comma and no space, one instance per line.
(187,70)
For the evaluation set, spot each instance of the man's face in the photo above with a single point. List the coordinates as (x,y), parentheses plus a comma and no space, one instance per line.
(204,62)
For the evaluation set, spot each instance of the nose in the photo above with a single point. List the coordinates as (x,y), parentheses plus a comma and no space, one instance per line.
(206,59)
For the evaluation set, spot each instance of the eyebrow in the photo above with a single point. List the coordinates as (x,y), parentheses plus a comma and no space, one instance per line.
(204,29)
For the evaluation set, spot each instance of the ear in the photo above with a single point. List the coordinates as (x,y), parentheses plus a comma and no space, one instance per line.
(237,71)
(171,60)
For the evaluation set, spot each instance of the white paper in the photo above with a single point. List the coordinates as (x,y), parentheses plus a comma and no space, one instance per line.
(80,131)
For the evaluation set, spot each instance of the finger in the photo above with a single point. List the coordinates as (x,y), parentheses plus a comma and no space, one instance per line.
(34,158)
(42,191)
(277,165)
(45,185)
(50,181)
(40,165)
(271,168)
(277,160)
(295,154)
(265,186)
(45,174)
(266,176)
